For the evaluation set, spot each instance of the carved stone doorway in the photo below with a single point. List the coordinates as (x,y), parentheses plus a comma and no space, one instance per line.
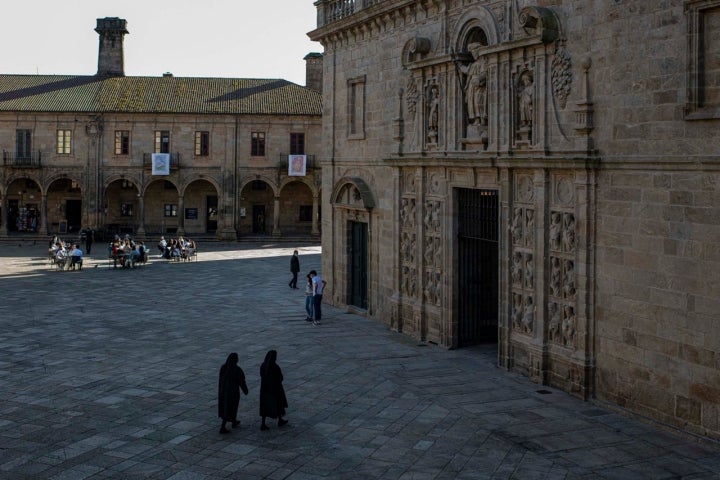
(478,260)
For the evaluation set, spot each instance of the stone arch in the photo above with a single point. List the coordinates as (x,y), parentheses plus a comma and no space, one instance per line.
(415,49)
(199,177)
(143,189)
(12,178)
(474,20)
(59,176)
(114,178)
(361,193)
(262,178)
(304,180)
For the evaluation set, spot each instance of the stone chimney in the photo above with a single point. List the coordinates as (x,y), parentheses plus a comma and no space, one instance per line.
(314,71)
(111,59)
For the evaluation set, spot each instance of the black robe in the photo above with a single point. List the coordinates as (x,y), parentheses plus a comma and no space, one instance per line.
(272,394)
(232,379)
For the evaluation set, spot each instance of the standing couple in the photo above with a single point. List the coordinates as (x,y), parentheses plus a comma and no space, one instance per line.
(273,401)
(313,297)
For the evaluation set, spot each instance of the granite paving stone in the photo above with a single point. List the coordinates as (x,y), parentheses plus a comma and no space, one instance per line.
(112,374)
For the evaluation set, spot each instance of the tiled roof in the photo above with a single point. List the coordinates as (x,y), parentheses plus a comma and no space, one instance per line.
(60,93)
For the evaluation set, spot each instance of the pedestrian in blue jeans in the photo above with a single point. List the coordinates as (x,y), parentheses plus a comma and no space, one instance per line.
(309,310)
(318,287)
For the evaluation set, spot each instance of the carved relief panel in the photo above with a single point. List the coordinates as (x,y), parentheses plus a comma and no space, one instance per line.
(562,304)
(522,265)
(408,236)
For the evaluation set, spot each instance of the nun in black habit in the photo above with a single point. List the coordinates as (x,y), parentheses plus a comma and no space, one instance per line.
(232,379)
(272,394)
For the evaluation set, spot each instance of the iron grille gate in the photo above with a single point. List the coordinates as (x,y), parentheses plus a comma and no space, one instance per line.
(477,265)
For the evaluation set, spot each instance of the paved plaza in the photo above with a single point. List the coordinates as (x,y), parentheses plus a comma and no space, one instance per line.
(112,374)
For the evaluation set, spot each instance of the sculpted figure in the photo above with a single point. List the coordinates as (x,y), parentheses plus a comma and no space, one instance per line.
(517,227)
(554,326)
(555,231)
(528,315)
(555,274)
(569,280)
(516,272)
(569,233)
(525,99)
(517,310)
(529,271)
(530,226)
(568,325)
(476,86)
(433,115)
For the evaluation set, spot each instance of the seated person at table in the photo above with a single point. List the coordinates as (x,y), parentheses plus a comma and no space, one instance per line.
(76,257)
(60,256)
(175,252)
(189,248)
(162,246)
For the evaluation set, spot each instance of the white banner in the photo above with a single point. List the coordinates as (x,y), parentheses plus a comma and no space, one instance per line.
(161,164)
(297,165)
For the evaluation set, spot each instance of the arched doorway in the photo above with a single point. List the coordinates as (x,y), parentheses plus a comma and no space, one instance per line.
(256,206)
(298,209)
(122,207)
(200,205)
(64,206)
(161,207)
(24,198)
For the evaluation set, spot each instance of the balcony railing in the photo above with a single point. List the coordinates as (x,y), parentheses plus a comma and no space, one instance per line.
(30,160)
(174,161)
(332,10)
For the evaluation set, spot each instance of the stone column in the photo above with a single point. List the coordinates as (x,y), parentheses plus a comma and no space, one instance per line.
(181,216)
(4,218)
(43,216)
(316,203)
(276,217)
(141,208)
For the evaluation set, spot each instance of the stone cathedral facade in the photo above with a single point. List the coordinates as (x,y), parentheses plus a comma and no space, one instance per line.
(543,174)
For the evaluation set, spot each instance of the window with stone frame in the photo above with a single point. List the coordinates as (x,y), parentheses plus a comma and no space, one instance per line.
(64,142)
(257,144)
(122,142)
(127,210)
(703,70)
(356,107)
(23,143)
(162,141)
(297,144)
(202,144)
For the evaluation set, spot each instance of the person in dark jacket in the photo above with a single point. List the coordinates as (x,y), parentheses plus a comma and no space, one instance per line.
(272,394)
(294,269)
(232,380)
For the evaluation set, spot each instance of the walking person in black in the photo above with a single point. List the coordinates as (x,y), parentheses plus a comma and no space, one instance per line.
(232,380)
(89,240)
(272,394)
(294,268)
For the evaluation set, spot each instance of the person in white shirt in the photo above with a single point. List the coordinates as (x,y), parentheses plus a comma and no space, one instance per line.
(318,285)
(76,257)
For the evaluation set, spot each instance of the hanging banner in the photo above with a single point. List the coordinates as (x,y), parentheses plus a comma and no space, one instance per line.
(297,165)
(161,164)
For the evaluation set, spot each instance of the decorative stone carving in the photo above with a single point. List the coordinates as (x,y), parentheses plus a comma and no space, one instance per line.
(433,113)
(568,235)
(555,275)
(411,98)
(434,184)
(409,281)
(561,74)
(516,229)
(517,269)
(475,86)
(564,191)
(525,191)
(428,254)
(555,322)
(556,220)
(525,101)
(568,326)
(569,279)
(540,21)
(517,310)
(528,318)
(529,271)
(407,212)
(432,216)
(529,227)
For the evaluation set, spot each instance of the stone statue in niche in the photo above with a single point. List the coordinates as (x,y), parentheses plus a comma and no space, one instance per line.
(429,288)
(529,271)
(555,275)
(517,310)
(433,113)
(555,322)
(568,325)
(555,231)
(476,86)
(525,100)
(568,235)
(428,252)
(529,227)
(528,315)
(437,254)
(404,210)
(569,279)
(516,228)
(516,273)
